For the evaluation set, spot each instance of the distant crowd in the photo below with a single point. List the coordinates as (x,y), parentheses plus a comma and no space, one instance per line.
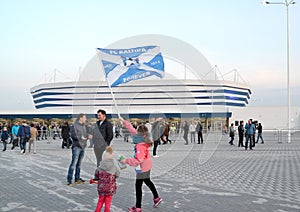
(22,133)
(246,134)
(163,132)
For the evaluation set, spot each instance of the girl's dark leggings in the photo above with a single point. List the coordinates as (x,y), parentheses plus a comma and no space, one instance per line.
(139,192)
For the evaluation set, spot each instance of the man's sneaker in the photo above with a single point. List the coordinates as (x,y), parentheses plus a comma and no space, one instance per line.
(80,181)
(134,209)
(155,156)
(22,151)
(70,184)
(157,201)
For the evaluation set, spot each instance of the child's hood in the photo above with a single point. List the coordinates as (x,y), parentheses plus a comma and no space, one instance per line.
(108,165)
(136,139)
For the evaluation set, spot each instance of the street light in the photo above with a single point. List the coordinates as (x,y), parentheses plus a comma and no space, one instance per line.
(287,3)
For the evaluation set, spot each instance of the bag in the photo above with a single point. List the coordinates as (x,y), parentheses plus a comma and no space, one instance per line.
(231,134)
(15,142)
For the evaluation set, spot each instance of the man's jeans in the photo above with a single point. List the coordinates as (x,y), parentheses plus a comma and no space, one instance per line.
(260,136)
(23,141)
(249,138)
(77,156)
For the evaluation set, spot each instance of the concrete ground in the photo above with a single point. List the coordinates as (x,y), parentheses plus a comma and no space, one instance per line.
(213,176)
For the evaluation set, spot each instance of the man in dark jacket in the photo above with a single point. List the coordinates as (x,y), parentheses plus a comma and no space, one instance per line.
(259,135)
(65,133)
(4,137)
(24,134)
(199,129)
(102,135)
(241,131)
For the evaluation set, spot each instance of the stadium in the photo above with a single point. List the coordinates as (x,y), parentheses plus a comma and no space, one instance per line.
(190,89)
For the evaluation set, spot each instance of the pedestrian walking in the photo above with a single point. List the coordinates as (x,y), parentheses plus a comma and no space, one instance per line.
(259,133)
(24,134)
(156,135)
(186,132)
(9,130)
(33,137)
(167,132)
(172,132)
(4,137)
(14,132)
(38,128)
(231,133)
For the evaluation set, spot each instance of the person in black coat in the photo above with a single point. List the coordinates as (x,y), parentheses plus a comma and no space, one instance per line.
(102,135)
(186,132)
(4,137)
(241,131)
(199,129)
(65,133)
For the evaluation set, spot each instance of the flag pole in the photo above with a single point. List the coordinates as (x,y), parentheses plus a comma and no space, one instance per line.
(113,97)
(110,88)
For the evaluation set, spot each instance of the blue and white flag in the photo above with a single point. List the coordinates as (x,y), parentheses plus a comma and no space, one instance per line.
(124,65)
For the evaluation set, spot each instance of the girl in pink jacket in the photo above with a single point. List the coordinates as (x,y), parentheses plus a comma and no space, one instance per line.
(143,162)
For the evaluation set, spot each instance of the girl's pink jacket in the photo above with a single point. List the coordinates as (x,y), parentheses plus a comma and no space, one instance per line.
(142,154)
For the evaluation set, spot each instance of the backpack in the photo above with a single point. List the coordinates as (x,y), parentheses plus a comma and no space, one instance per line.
(27,131)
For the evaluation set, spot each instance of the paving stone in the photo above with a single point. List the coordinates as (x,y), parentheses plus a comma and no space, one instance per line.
(209,177)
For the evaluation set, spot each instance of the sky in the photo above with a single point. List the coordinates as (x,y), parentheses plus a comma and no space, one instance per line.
(38,36)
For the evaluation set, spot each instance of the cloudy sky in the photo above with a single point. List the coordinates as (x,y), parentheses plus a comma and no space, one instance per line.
(38,36)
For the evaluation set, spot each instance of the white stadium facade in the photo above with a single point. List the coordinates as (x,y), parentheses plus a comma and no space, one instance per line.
(189,98)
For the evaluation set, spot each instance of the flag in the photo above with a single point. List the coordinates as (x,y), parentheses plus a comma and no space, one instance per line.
(124,65)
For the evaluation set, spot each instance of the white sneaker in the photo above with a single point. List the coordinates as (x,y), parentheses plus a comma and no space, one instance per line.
(22,151)
(155,156)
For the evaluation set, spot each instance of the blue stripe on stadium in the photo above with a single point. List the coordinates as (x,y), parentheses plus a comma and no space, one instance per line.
(140,105)
(161,98)
(151,92)
(142,116)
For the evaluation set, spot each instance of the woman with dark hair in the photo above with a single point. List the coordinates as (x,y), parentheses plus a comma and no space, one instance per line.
(65,133)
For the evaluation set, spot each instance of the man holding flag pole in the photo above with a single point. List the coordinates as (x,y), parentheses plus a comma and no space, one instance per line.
(102,135)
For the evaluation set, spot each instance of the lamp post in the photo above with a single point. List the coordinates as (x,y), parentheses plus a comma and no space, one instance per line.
(287,3)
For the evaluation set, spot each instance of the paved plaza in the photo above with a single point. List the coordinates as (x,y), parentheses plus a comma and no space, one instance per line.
(213,176)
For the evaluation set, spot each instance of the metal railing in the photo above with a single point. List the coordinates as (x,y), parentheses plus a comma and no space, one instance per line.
(269,135)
